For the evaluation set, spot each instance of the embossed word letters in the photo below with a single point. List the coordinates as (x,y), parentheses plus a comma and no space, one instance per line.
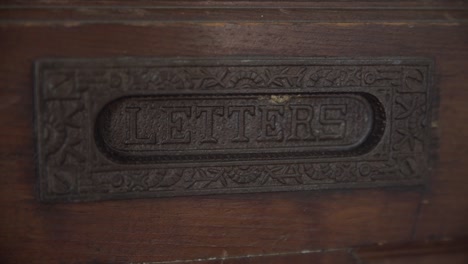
(130,128)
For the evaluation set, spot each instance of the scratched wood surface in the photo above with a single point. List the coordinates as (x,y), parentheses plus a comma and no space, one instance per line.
(225,226)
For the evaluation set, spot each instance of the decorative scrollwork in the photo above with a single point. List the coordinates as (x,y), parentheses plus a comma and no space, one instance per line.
(65,126)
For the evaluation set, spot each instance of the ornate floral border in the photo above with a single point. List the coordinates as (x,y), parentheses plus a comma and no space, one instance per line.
(70,93)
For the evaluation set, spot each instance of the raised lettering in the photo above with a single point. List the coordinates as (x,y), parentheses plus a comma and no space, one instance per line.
(132,133)
(301,117)
(209,112)
(333,119)
(177,119)
(241,112)
(271,129)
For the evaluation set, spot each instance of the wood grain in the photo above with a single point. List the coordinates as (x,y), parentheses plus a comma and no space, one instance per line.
(318,257)
(226,225)
(448,251)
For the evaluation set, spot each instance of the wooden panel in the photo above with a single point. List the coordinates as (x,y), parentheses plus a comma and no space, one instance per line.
(319,257)
(448,251)
(227,225)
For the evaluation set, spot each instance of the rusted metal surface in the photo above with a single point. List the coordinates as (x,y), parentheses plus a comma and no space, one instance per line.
(131,128)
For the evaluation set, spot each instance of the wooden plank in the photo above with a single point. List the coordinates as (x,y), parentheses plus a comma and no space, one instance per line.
(318,257)
(449,251)
(339,4)
(228,14)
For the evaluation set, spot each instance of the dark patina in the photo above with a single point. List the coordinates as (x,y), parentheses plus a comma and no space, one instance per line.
(130,128)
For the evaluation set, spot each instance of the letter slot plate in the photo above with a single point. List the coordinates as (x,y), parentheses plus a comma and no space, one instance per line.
(142,127)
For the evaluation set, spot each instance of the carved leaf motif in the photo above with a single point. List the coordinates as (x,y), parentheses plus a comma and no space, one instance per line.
(200,178)
(138,181)
(412,122)
(345,172)
(244,174)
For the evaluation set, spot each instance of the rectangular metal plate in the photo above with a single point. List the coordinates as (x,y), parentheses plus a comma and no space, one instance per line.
(139,127)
